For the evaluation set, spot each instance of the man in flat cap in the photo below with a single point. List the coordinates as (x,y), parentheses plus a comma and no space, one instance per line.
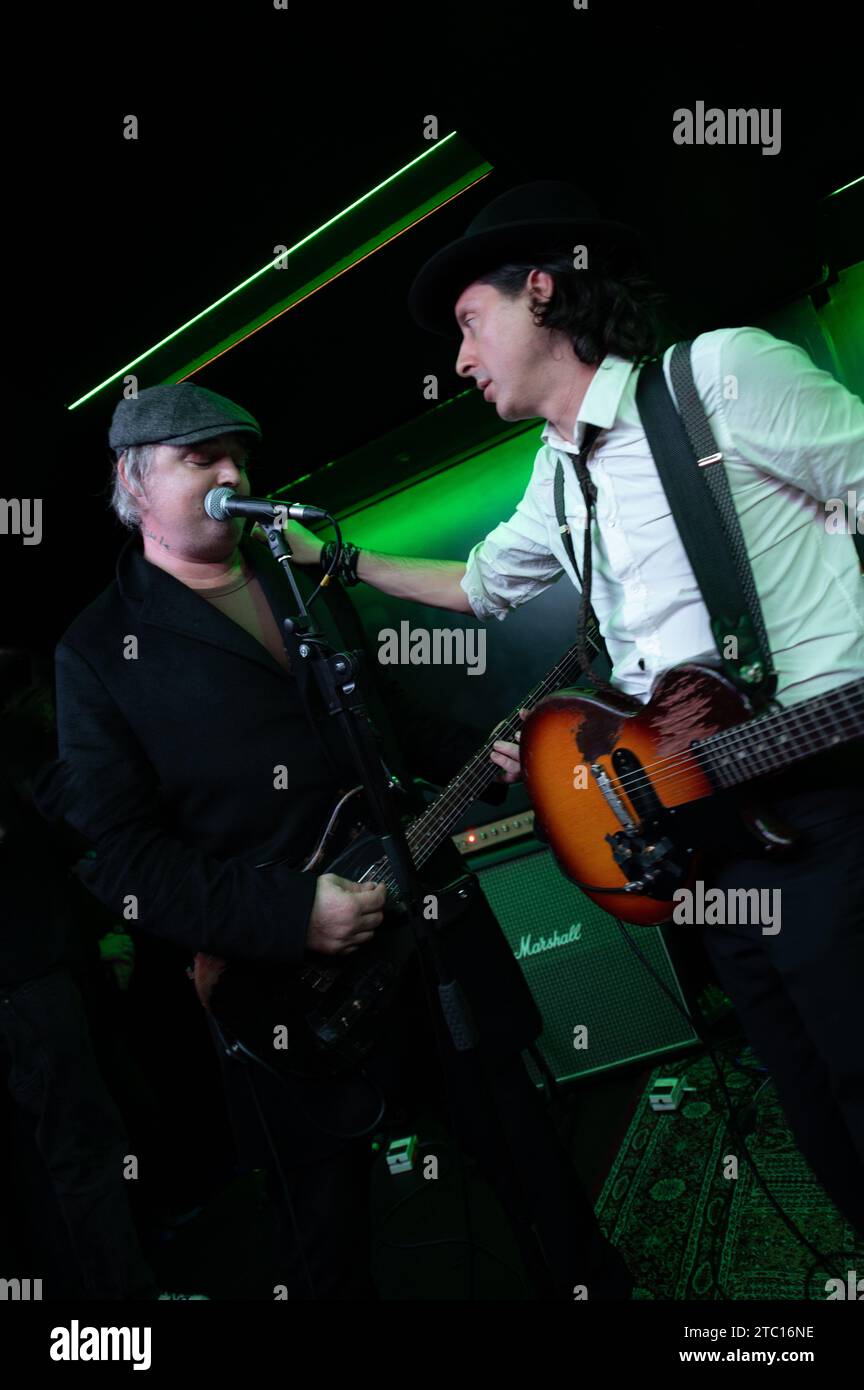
(176,709)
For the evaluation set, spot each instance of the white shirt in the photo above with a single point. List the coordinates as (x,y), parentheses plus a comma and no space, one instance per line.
(791,437)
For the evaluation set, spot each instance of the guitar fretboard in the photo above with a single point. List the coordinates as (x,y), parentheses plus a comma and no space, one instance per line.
(773,741)
(428,830)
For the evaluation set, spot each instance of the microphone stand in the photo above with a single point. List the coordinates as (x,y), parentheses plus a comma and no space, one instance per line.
(338,677)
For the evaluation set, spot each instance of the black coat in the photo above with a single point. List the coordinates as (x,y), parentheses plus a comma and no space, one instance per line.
(166,767)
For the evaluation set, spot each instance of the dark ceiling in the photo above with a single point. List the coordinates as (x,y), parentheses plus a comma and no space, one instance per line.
(266,138)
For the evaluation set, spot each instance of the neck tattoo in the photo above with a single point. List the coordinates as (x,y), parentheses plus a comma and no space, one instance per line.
(161,539)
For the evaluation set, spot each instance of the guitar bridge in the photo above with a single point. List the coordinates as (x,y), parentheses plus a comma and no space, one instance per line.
(371,993)
(319,980)
(613,800)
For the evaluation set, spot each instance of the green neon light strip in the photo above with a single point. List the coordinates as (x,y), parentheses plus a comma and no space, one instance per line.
(258,273)
(843,189)
(327,277)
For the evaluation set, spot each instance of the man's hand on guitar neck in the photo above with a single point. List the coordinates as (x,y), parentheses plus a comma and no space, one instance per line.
(507,756)
(344,914)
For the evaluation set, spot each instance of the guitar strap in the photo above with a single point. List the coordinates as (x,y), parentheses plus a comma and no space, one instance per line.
(698,492)
(690,467)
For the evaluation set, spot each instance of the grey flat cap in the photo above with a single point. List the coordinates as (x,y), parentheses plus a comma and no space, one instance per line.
(180,414)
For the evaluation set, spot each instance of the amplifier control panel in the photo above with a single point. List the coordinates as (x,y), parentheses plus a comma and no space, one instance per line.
(496,832)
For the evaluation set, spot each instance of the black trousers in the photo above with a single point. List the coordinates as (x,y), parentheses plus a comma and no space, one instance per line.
(50,1069)
(499,1118)
(799,992)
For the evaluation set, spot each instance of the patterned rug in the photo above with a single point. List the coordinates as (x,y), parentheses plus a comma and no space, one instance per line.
(689,1232)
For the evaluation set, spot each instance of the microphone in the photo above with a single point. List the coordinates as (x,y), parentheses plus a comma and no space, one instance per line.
(221,503)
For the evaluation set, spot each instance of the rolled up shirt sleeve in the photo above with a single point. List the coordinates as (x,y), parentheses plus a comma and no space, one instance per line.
(514,563)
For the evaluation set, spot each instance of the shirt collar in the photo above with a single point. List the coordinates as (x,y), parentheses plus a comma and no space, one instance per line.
(599,405)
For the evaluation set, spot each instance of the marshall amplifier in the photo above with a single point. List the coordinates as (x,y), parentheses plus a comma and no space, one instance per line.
(601,1008)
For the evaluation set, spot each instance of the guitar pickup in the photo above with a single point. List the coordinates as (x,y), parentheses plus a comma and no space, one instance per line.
(642,794)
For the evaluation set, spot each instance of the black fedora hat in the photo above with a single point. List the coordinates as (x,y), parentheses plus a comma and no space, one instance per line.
(525,221)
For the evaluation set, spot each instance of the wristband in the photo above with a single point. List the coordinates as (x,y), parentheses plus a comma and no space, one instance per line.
(346,571)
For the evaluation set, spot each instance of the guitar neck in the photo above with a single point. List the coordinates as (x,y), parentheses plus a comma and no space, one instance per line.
(774,741)
(428,830)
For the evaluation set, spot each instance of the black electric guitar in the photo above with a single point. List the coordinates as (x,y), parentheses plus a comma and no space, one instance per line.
(319,1017)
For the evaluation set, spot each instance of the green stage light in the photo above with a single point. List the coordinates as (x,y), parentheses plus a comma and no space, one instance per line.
(458,169)
(843,188)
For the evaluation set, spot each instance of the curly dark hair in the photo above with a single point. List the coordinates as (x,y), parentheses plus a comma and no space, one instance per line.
(605,309)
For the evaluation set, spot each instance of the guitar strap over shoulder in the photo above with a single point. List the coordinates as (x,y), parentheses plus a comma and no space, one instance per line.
(690,467)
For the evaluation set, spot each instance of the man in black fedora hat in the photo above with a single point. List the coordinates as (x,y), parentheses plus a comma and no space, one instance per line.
(177,703)
(557,319)
(519,224)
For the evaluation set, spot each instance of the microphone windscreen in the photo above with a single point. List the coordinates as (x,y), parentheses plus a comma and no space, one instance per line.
(214,502)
